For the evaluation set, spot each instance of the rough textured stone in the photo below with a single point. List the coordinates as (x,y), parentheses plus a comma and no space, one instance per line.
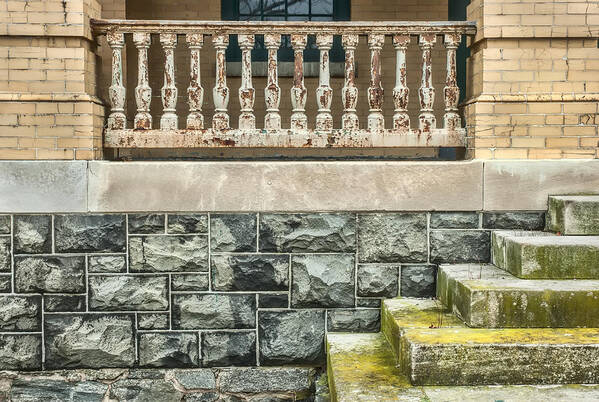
(33,234)
(309,233)
(499,241)
(5,256)
(52,274)
(46,389)
(378,280)
(55,303)
(368,302)
(152,320)
(203,397)
(291,337)
(455,246)
(20,352)
(221,349)
(89,341)
(233,232)
(20,313)
(196,379)
(189,282)
(361,320)
(5,283)
(418,281)
(107,263)
(322,280)
(273,300)
(4,224)
(392,237)
(89,233)
(514,220)
(454,220)
(168,349)
(146,223)
(265,379)
(128,292)
(168,253)
(574,215)
(145,390)
(214,311)
(187,223)
(250,272)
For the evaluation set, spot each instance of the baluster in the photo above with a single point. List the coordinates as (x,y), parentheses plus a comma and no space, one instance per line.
(376,121)
(349,94)
(247,94)
(195,92)
(169,120)
(401,92)
(299,121)
(143,92)
(427,92)
(451,120)
(324,92)
(220,92)
(117,119)
(272,92)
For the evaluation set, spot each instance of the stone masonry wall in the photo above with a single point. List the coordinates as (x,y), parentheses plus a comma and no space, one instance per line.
(163,290)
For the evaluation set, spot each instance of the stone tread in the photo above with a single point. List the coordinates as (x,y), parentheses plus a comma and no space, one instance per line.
(574,214)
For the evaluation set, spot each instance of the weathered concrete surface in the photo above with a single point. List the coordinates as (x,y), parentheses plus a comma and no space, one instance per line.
(498,243)
(268,186)
(525,185)
(574,215)
(43,186)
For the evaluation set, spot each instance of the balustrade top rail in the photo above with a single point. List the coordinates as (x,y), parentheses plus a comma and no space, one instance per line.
(299,134)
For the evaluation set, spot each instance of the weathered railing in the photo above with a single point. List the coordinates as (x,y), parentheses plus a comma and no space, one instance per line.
(349,132)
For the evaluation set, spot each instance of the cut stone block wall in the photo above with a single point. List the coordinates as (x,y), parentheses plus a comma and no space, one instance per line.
(184,290)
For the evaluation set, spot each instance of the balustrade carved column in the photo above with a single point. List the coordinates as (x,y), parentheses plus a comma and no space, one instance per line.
(272,92)
(195,92)
(143,92)
(299,121)
(169,119)
(220,92)
(324,92)
(427,92)
(116,92)
(349,93)
(376,120)
(247,94)
(401,92)
(451,119)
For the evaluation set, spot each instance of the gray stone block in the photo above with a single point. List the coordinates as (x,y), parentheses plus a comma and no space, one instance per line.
(178,349)
(267,300)
(20,313)
(354,320)
(145,390)
(89,233)
(454,220)
(392,237)
(4,224)
(514,220)
(32,234)
(20,352)
(322,280)
(196,379)
(266,379)
(5,256)
(50,274)
(233,232)
(145,223)
(5,283)
(152,320)
(418,281)
(106,264)
(378,280)
(456,246)
(214,311)
(45,389)
(89,341)
(250,272)
(187,223)
(291,337)
(189,282)
(573,214)
(207,397)
(64,303)
(308,233)
(220,349)
(374,303)
(168,253)
(128,292)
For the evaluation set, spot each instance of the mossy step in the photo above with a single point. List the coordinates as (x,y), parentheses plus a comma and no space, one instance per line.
(485,296)
(361,368)
(498,241)
(469,356)
(548,257)
(574,214)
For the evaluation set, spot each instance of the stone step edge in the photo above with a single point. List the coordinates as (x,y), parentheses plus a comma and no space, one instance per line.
(562,211)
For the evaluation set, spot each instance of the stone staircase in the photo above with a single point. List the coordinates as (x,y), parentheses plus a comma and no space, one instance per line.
(525,327)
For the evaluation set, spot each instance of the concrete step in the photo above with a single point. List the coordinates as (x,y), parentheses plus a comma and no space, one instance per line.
(485,296)
(468,356)
(361,367)
(574,214)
